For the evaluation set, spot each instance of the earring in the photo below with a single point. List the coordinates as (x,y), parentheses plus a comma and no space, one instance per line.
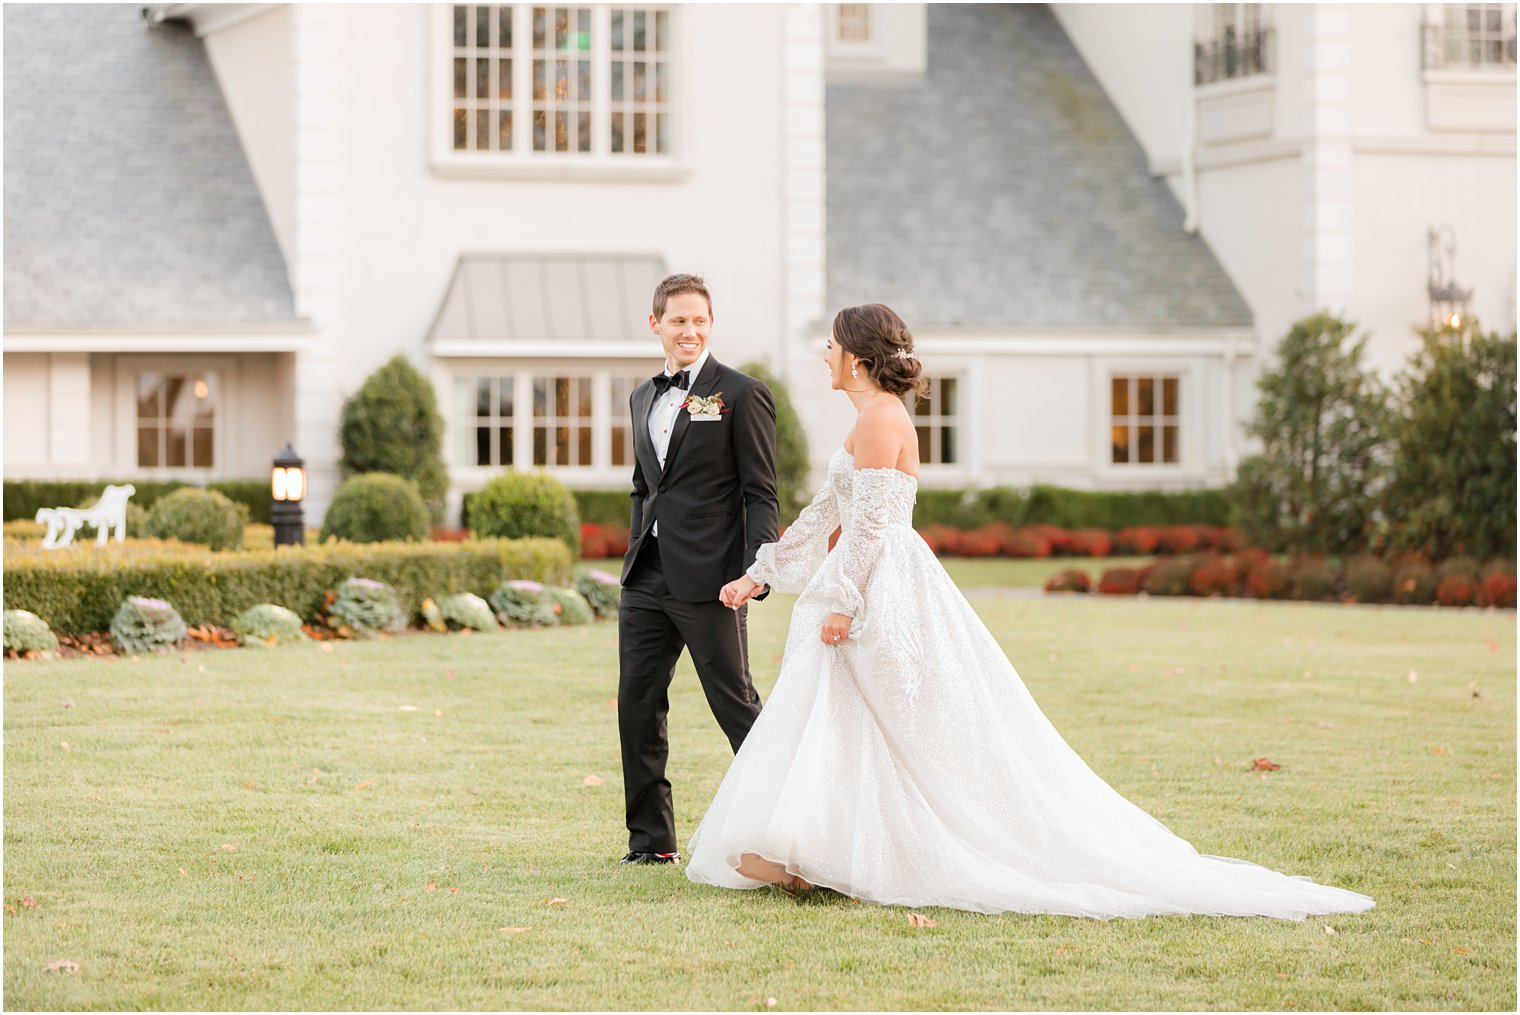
(853,372)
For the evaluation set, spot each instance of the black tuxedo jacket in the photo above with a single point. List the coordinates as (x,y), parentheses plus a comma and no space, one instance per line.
(715,499)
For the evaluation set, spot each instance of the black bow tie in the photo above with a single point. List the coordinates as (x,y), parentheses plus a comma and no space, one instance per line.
(681,379)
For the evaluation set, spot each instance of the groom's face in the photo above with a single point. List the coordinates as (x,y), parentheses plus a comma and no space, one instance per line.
(683,329)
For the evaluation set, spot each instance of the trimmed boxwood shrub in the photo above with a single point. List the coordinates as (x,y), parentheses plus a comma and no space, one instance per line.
(146,625)
(1312,579)
(1267,579)
(519,504)
(1369,580)
(204,517)
(1414,582)
(24,496)
(1456,589)
(1070,580)
(1465,566)
(391,424)
(268,624)
(376,507)
(570,606)
(1214,576)
(77,592)
(1497,590)
(27,632)
(1171,576)
(366,607)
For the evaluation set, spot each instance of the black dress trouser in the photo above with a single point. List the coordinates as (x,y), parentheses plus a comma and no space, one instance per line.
(653,628)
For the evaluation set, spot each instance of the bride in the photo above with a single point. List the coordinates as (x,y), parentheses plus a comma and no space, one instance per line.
(900,758)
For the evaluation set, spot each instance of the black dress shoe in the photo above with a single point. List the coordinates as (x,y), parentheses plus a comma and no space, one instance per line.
(634,857)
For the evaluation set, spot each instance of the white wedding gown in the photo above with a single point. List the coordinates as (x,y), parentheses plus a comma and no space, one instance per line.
(910,766)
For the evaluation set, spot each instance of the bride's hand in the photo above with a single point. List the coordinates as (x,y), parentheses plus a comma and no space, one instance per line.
(836,628)
(738,592)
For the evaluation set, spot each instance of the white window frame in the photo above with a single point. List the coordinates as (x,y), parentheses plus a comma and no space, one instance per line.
(1190,416)
(1439,29)
(522,162)
(129,368)
(939,421)
(600,472)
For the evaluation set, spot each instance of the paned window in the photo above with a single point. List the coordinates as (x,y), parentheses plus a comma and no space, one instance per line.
(562,421)
(854,22)
(570,81)
(937,421)
(486,435)
(176,420)
(1234,41)
(622,423)
(1145,413)
(1472,36)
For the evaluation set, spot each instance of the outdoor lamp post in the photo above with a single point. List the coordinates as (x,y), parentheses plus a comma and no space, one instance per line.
(1448,301)
(287,484)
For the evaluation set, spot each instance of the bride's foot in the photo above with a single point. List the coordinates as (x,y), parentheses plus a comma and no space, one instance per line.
(758,868)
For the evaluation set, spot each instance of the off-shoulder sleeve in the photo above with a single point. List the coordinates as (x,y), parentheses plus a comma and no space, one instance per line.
(876,500)
(788,564)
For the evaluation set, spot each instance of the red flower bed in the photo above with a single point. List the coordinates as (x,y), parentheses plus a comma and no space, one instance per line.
(1180,539)
(1026,543)
(1456,590)
(1267,579)
(600,541)
(1215,576)
(1092,543)
(1121,581)
(1142,540)
(986,541)
(442,535)
(1497,590)
(944,540)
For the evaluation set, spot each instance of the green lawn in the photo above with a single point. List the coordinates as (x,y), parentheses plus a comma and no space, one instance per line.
(293,828)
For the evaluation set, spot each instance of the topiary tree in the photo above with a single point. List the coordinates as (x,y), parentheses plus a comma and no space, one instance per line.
(1453,488)
(391,424)
(1321,420)
(519,504)
(376,508)
(193,515)
(792,494)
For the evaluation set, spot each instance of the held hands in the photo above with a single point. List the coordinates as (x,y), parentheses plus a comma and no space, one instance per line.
(836,628)
(739,591)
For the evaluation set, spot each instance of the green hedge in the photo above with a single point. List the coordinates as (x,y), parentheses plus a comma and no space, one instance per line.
(604,507)
(24,496)
(78,591)
(1070,509)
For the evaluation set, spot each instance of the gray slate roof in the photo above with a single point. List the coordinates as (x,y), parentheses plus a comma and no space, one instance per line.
(1003,190)
(128,198)
(539,296)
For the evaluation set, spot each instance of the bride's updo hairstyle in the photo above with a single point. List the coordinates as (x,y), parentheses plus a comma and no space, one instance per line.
(875,335)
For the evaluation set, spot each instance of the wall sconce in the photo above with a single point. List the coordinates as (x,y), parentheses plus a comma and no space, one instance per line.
(287,485)
(1448,301)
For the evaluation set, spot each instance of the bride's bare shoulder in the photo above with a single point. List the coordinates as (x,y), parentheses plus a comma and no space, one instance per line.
(882,432)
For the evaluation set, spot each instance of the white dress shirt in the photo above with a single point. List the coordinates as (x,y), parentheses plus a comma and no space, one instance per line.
(664,412)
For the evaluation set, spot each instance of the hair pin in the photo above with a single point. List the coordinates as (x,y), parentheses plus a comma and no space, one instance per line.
(903,354)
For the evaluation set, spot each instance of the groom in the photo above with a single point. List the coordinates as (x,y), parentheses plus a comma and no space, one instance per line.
(704,500)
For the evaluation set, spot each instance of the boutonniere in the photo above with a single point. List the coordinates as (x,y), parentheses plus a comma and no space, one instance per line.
(708,406)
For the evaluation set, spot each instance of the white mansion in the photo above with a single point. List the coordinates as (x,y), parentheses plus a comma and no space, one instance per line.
(1098,219)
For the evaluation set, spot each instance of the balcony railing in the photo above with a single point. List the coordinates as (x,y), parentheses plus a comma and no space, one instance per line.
(1233,55)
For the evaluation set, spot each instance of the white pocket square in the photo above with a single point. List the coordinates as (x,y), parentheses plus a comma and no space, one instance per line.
(702,417)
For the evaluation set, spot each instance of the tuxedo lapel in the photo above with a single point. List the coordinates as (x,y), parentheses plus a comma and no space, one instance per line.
(703,384)
(643,400)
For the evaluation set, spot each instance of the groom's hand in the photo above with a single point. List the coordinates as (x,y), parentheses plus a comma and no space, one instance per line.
(739,591)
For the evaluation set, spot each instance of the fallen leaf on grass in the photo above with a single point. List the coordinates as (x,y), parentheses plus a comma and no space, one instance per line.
(430,887)
(228,847)
(1264,765)
(919,920)
(316,773)
(591,780)
(325,646)
(1413,676)
(1324,726)
(1330,932)
(514,930)
(1459,950)
(556,902)
(61,966)
(406,708)
(365,784)
(770,1002)
(68,703)
(438,712)
(27,902)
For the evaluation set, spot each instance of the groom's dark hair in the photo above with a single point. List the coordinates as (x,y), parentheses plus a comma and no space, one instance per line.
(674,285)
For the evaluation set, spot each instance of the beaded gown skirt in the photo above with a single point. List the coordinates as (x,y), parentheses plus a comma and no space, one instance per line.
(910,765)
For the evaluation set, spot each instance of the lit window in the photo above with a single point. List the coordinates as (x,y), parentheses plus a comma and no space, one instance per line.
(1472,36)
(854,22)
(176,420)
(1144,425)
(562,421)
(937,421)
(535,79)
(622,421)
(485,436)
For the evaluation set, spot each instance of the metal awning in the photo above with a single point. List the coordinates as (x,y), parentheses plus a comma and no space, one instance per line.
(529,304)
